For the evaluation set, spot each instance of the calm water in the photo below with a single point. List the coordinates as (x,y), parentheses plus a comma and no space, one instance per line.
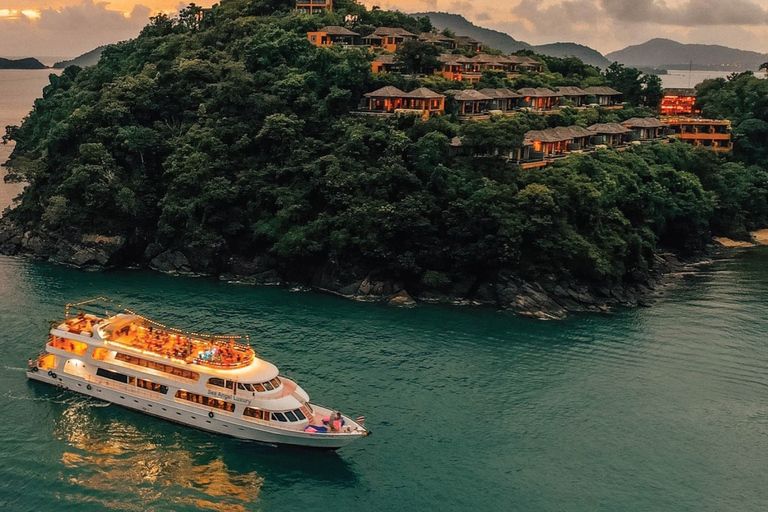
(649,409)
(684,79)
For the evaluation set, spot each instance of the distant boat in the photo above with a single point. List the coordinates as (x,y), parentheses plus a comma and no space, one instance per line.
(214,383)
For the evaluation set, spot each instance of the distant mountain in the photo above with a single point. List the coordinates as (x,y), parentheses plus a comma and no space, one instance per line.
(506,43)
(463,27)
(87,59)
(585,53)
(665,53)
(28,63)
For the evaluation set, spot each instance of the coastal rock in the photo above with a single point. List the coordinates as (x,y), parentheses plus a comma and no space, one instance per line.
(402,299)
(152,251)
(173,262)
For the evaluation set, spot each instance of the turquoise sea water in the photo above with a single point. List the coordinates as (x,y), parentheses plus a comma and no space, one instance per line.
(663,408)
(650,409)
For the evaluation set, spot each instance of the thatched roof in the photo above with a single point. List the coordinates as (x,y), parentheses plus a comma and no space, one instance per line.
(608,128)
(334,30)
(423,92)
(643,122)
(386,92)
(572,91)
(538,92)
(602,91)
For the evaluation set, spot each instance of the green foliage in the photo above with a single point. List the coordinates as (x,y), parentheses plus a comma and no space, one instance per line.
(225,129)
(418,57)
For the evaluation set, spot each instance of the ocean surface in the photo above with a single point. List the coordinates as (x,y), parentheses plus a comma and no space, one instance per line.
(684,79)
(661,408)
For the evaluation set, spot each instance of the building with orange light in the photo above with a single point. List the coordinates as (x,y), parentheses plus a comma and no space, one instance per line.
(314,6)
(391,100)
(330,35)
(389,39)
(678,102)
(710,133)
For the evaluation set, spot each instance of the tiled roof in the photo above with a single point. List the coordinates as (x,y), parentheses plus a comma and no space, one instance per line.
(643,122)
(602,91)
(501,93)
(572,91)
(423,92)
(538,92)
(608,128)
(388,31)
(333,30)
(386,92)
(559,134)
(471,95)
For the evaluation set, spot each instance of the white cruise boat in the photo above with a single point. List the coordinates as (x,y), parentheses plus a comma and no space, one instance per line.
(210,382)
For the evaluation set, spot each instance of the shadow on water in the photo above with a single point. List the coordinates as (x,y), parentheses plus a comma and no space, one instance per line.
(109,452)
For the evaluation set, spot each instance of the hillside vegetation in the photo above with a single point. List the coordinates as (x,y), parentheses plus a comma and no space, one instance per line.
(228,138)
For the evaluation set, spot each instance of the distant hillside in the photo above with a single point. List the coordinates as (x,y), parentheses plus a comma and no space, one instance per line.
(28,63)
(506,43)
(665,53)
(87,59)
(463,27)
(585,53)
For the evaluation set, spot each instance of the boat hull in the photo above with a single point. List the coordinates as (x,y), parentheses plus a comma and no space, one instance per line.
(188,415)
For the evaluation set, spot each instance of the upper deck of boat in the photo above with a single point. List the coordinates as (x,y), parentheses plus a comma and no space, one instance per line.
(139,334)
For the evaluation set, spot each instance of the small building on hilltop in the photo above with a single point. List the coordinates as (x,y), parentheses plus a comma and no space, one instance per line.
(605,97)
(385,63)
(391,100)
(539,99)
(610,134)
(503,100)
(678,102)
(558,142)
(314,6)
(575,95)
(444,42)
(644,128)
(471,44)
(472,104)
(330,35)
(388,38)
(457,68)
(709,133)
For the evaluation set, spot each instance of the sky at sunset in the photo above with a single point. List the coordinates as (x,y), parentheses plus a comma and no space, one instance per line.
(61,28)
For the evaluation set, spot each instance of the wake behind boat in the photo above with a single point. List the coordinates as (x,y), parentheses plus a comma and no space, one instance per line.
(215,383)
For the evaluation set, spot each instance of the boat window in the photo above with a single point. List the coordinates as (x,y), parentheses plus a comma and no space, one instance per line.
(205,400)
(291,416)
(215,381)
(278,416)
(254,413)
(275,382)
(230,385)
(152,386)
(76,347)
(248,387)
(259,388)
(165,368)
(119,377)
(268,386)
(240,386)
(300,414)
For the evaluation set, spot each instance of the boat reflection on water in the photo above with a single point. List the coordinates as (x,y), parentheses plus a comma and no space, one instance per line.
(112,453)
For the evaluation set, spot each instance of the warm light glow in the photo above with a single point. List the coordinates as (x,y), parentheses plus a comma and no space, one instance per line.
(15,14)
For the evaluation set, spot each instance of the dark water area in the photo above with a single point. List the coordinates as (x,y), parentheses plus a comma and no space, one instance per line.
(662,408)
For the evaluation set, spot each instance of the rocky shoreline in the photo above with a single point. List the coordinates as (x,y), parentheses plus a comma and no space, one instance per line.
(546,299)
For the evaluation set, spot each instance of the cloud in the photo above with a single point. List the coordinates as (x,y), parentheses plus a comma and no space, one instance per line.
(691,13)
(70,31)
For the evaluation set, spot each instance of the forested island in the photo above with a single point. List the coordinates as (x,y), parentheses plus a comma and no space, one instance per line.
(221,142)
(28,63)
